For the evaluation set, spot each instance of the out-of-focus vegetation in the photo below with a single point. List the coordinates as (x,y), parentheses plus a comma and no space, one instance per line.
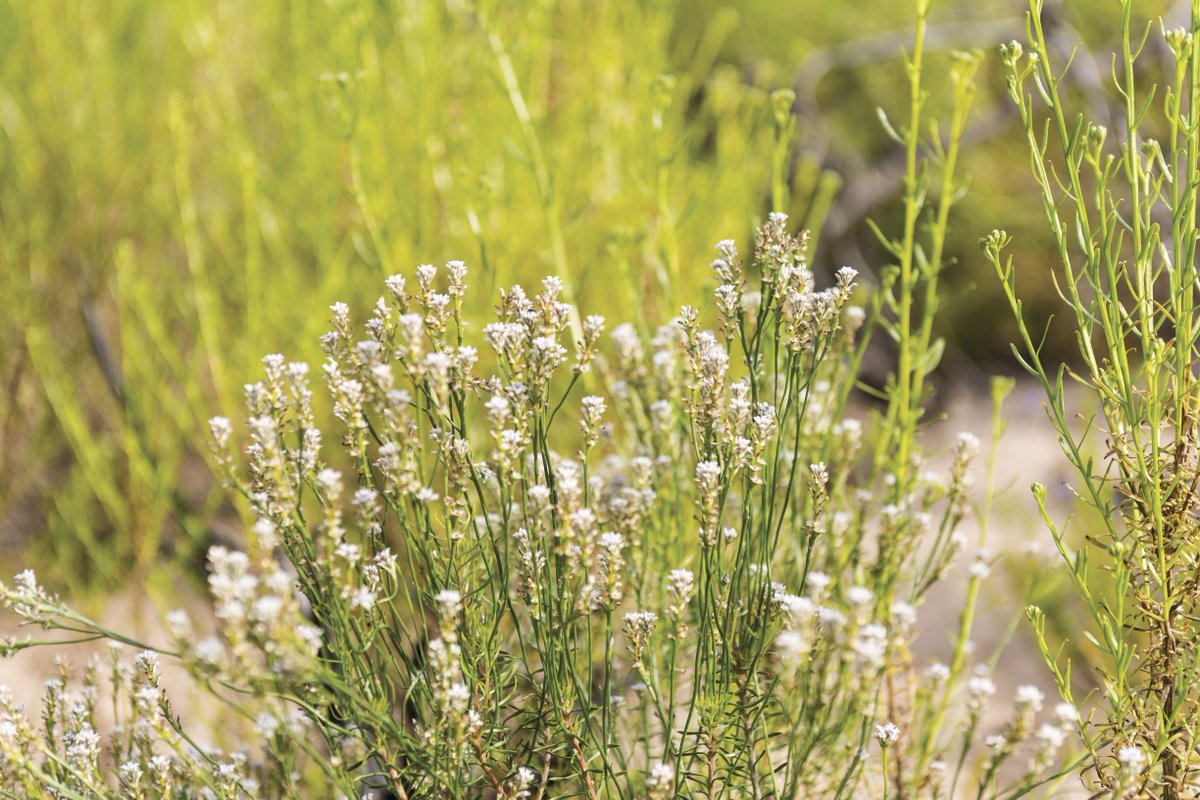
(185,182)
(182,183)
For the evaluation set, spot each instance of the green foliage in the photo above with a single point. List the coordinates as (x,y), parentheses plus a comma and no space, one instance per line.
(515,591)
(1122,207)
(188,185)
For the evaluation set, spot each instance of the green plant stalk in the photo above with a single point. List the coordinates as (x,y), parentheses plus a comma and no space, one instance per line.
(966,619)
(904,401)
(202,287)
(664,156)
(537,161)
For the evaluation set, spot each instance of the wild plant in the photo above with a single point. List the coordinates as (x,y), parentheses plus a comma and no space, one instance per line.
(1122,209)
(695,583)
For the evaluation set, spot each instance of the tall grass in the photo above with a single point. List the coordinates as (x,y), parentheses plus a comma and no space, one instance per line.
(185,183)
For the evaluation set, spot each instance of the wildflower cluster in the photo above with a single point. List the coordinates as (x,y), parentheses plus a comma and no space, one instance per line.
(144,754)
(694,579)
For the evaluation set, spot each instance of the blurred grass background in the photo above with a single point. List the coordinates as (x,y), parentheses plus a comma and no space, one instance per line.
(185,186)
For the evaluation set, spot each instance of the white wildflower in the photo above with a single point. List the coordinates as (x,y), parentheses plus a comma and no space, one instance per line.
(660,780)
(1051,736)
(363,598)
(1131,758)
(1029,697)
(1066,715)
(639,625)
(887,733)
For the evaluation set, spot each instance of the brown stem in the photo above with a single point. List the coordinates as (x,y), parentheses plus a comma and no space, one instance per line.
(712,766)
(583,767)
(1170,762)
(545,779)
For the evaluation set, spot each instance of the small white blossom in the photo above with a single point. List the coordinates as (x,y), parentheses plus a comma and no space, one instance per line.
(660,780)
(363,598)
(1066,715)
(221,429)
(937,673)
(981,686)
(1051,736)
(859,596)
(791,647)
(980,569)
(887,733)
(1029,697)
(1131,758)
(449,603)
(639,625)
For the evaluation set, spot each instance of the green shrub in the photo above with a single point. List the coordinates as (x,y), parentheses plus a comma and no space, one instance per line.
(1122,208)
(706,589)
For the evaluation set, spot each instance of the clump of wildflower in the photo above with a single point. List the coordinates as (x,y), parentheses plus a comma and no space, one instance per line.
(708,483)
(980,568)
(818,582)
(522,783)
(1067,716)
(1028,701)
(524,541)
(27,599)
(791,647)
(871,645)
(639,626)
(612,568)
(593,410)
(937,673)
(681,584)
(980,688)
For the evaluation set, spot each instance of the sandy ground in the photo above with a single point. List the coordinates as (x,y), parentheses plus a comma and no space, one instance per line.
(1027,453)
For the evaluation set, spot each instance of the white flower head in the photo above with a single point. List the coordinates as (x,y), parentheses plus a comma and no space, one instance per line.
(980,569)
(937,673)
(449,603)
(363,598)
(887,733)
(858,596)
(980,687)
(660,780)
(1131,758)
(221,429)
(791,647)
(1051,736)
(639,625)
(1066,715)
(1029,697)
(817,583)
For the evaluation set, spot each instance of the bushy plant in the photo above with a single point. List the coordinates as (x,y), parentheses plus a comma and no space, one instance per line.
(694,583)
(1122,208)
